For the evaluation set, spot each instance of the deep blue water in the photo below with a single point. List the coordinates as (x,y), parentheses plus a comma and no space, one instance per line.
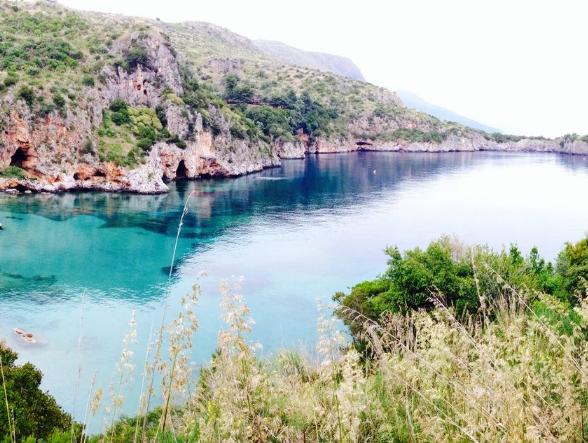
(74,266)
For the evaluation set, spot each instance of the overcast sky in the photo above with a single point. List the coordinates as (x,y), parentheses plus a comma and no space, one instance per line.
(520,66)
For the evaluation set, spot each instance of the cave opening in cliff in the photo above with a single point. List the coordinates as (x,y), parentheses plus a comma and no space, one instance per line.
(18,158)
(363,144)
(182,171)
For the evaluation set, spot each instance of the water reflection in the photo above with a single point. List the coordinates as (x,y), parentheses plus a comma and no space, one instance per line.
(124,241)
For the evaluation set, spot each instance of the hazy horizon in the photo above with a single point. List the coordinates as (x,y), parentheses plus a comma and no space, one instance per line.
(516,67)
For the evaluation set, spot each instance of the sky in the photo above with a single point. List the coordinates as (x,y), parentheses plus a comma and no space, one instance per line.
(517,65)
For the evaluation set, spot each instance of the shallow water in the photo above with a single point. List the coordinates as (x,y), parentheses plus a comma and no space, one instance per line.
(74,266)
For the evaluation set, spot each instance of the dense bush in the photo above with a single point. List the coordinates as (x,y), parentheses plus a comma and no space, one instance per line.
(120,112)
(314,118)
(135,56)
(275,123)
(236,91)
(416,135)
(14,172)
(128,132)
(572,269)
(456,275)
(278,117)
(49,53)
(33,412)
(499,137)
(26,93)
(59,100)
(11,79)
(88,80)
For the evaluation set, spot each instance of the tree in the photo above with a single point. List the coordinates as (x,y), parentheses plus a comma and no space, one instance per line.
(236,92)
(572,266)
(33,412)
(136,55)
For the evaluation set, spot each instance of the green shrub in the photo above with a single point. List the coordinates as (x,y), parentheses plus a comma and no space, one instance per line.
(134,132)
(41,54)
(456,275)
(26,93)
(88,80)
(120,112)
(136,55)
(237,92)
(161,115)
(46,109)
(176,141)
(502,138)
(13,172)
(118,105)
(59,100)
(275,123)
(572,266)
(120,118)
(11,79)
(416,135)
(88,146)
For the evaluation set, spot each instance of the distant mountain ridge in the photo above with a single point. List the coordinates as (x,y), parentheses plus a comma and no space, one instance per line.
(413,101)
(309,59)
(347,68)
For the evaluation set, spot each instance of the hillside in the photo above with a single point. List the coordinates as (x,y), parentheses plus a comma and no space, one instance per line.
(308,59)
(98,101)
(415,102)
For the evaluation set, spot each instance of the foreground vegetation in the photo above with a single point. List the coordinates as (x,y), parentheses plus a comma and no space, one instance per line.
(451,344)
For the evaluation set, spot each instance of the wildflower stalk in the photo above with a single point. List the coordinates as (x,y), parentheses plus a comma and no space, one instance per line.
(184,212)
(168,396)
(141,412)
(87,410)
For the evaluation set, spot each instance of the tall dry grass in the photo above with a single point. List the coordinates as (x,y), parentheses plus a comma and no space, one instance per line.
(516,377)
(507,373)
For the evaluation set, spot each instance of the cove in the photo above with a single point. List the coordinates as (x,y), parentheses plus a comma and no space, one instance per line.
(74,266)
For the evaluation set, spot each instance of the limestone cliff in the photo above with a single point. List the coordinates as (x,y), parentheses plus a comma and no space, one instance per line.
(96,101)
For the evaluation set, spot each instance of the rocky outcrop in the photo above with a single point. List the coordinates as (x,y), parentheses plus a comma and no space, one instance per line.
(57,152)
(454,143)
(292,149)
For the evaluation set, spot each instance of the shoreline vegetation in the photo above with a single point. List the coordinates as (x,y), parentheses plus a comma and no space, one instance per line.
(450,343)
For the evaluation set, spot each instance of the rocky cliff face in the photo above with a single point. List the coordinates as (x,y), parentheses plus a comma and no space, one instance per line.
(110,103)
(57,151)
(477,142)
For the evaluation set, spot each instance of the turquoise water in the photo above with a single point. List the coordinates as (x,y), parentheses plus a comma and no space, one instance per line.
(74,266)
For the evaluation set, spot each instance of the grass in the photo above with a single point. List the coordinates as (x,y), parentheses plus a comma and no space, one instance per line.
(13,172)
(434,377)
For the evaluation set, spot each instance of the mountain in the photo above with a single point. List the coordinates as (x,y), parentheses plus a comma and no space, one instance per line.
(415,102)
(312,60)
(100,101)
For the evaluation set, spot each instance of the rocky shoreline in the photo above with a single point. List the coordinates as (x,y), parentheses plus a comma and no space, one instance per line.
(168,163)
